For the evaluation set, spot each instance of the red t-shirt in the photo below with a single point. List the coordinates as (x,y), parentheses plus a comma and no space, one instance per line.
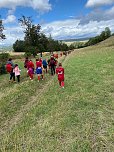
(60,73)
(38,64)
(30,64)
(40,60)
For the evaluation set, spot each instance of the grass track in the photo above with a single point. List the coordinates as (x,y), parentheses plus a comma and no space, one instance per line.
(79,118)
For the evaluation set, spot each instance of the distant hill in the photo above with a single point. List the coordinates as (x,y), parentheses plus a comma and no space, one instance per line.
(73,40)
(108,42)
(6,48)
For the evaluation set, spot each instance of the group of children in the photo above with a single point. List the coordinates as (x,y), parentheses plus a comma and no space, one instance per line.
(13,70)
(40,67)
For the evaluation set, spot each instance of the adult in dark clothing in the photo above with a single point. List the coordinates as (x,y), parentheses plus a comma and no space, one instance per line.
(12,74)
(26,62)
(52,65)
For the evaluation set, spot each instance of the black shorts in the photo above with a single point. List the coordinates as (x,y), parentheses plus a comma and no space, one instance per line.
(44,66)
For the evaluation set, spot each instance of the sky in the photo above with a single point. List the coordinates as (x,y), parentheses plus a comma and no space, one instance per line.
(62,19)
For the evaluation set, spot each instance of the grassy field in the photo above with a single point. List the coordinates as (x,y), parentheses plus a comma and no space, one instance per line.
(41,117)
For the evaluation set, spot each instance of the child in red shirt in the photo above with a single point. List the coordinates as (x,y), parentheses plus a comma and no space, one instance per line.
(60,73)
(30,73)
(39,69)
(31,65)
(30,69)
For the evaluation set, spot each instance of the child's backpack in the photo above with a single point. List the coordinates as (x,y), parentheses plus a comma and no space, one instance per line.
(8,68)
(52,62)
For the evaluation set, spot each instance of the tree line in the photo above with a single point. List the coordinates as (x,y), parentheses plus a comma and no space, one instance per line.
(36,41)
(103,36)
(94,40)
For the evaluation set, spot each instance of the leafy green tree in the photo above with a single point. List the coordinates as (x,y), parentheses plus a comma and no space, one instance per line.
(104,35)
(32,32)
(42,43)
(3,58)
(50,44)
(2,36)
(107,32)
(64,47)
(19,46)
(36,41)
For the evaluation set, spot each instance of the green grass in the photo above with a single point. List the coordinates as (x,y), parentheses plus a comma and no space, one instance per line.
(45,118)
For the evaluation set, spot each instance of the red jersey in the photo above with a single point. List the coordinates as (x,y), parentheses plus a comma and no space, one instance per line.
(60,73)
(41,60)
(38,64)
(30,64)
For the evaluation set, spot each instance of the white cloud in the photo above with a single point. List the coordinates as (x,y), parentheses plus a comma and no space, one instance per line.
(94,3)
(98,14)
(40,5)
(72,29)
(12,34)
(61,30)
(111,11)
(9,19)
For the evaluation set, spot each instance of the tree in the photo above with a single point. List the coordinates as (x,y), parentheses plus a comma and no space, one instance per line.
(19,46)
(32,32)
(104,35)
(36,41)
(107,32)
(2,36)
(50,44)
(42,43)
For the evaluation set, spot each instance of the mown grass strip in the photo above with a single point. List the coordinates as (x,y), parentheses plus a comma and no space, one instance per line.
(77,118)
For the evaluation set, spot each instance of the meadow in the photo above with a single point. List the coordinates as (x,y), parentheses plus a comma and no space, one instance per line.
(42,117)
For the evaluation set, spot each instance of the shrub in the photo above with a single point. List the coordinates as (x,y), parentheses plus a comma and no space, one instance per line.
(27,54)
(2,69)
(3,59)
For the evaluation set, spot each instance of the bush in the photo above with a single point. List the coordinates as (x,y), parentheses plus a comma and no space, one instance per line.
(3,59)
(2,69)
(27,54)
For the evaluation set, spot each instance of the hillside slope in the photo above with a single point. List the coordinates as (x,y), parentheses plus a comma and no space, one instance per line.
(108,42)
(79,118)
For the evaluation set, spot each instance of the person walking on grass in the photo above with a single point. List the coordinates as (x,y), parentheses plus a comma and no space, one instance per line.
(44,62)
(9,69)
(30,73)
(39,69)
(60,73)
(52,64)
(26,62)
(31,65)
(17,72)
(26,65)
